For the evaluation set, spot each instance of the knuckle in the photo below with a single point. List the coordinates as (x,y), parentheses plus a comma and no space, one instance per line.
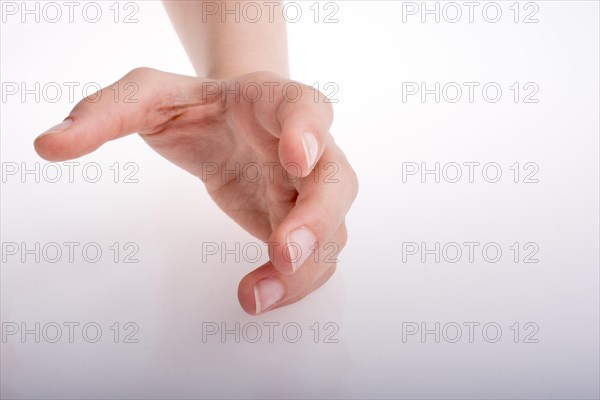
(354,183)
(329,106)
(321,98)
(343,237)
(140,73)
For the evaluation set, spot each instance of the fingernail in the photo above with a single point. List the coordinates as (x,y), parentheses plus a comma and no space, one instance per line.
(267,292)
(311,149)
(300,246)
(58,128)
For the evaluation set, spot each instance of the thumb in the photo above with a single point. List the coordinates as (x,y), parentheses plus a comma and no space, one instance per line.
(135,103)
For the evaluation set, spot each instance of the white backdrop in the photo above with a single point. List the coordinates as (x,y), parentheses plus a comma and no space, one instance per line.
(392,322)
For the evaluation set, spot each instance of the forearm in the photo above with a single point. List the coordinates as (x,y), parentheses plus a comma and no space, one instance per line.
(220,47)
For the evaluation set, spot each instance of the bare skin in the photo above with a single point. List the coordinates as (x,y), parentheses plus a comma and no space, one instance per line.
(191,122)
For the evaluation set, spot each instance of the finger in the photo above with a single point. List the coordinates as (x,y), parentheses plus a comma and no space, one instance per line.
(266,288)
(324,199)
(302,120)
(132,104)
(305,127)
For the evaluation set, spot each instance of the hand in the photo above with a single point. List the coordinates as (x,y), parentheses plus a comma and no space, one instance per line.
(281,136)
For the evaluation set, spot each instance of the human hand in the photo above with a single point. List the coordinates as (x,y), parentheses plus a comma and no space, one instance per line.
(201,126)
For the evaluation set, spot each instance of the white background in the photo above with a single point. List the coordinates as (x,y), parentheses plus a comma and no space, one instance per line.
(171,293)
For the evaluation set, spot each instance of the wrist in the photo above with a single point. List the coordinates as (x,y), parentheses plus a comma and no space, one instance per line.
(231,70)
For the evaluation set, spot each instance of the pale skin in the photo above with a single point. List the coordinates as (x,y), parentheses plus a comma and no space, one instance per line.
(295,207)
